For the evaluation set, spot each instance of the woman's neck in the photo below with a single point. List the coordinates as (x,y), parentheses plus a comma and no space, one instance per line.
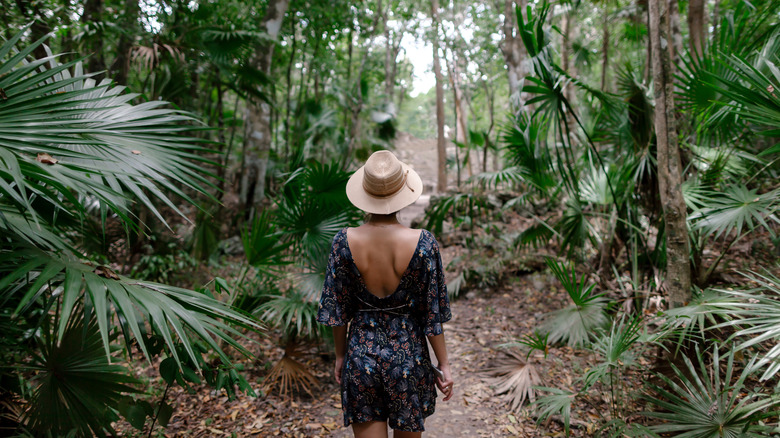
(382,220)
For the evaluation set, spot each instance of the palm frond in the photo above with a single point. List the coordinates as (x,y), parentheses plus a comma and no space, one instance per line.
(707,309)
(702,403)
(76,387)
(735,208)
(171,312)
(557,403)
(757,318)
(515,379)
(99,144)
(614,348)
(577,322)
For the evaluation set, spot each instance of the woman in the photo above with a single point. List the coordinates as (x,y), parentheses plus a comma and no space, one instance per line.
(387,282)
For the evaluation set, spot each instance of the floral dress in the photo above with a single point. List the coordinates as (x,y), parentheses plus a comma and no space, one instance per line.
(387,373)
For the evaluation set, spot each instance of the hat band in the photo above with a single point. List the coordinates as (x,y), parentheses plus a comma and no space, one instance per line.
(404,182)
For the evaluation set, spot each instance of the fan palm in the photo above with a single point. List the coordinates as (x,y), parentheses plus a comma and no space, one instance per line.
(310,209)
(70,147)
(758,319)
(577,322)
(702,403)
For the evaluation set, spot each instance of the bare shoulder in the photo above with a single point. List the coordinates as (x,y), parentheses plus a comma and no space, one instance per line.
(412,234)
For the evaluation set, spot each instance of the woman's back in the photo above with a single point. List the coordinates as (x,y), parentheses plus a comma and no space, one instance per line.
(382,254)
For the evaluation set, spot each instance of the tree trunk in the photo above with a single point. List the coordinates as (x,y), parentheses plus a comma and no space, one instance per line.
(389,60)
(31,11)
(257,133)
(93,13)
(678,269)
(441,182)
(674,35)
(649,54)
(715,22)
(514,53)
(288,109)
(566,55)
(605,51)
(489,96)
(696,26)
(120,68)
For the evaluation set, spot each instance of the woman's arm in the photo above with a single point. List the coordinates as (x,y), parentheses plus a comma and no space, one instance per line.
(444,383)
(340,339)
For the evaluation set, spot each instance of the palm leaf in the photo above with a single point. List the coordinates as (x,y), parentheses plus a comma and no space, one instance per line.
(702,403)
(103,145)
(757,318)
(577,322)
(737,207)
(172,312)
(76,387)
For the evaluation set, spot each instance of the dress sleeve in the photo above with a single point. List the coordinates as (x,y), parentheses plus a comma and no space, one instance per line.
(335,302)
(438,303)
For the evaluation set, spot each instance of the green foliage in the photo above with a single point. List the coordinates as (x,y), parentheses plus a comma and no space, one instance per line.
(735,208)
(76,388)
(756,316)
(691,322)
(164,265)
(79,150)
(310,209)
(702,403)
(576,323)
(558,402)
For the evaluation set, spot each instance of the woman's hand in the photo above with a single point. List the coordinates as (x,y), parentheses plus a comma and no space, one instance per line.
(339,368)
(445,382)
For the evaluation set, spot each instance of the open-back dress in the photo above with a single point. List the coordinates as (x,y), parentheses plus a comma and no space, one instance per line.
(387,373)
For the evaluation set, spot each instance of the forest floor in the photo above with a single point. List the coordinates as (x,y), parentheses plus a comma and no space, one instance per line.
(480,323)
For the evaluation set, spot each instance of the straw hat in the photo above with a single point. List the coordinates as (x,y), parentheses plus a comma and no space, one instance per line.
(384,184)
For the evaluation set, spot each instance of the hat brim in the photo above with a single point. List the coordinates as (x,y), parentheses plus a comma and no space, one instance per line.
(391,204)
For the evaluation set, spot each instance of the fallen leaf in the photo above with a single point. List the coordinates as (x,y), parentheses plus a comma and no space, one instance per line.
(105,272)
(45,158)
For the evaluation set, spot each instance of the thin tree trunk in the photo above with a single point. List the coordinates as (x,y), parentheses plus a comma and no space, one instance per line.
(120,68)
(93,13)
(715,21)
(489,96)
(357,106)
(441,182)
(678,269)
(31,11)
(257,138)
(605,50)
(287,139)
(696,26)
(674,35)
(566,55)
(649,54)
(514,53)
(461,129)
(458,137)
(389,60)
